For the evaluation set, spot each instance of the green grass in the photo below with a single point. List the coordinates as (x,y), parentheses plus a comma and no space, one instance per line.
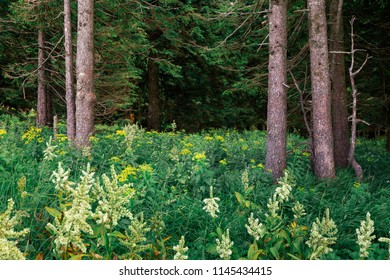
(172,172)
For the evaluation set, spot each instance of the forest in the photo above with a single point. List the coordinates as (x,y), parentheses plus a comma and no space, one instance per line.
(183,129)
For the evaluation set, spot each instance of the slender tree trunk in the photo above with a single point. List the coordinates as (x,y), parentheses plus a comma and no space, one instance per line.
(85,98)
(154,95)
(277,91)
(42,98)
(69,81)
(321,94)
(338,84)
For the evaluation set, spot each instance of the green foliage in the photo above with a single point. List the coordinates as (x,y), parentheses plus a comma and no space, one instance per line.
(167,177)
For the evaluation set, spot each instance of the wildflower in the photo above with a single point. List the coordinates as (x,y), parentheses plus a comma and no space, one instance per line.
(282,194)
(199,156)
(364,234)
(245,148)
(61,179)
(3,132)
(115,159)
(8,248)
(208,138)
(48,153)
(146,168)
(112,201)
(180,250)
(134,241)
(224,246)
(69,229)
(33,133)
(254,228)
(261,166)
(245,179)
(306,154)
(322,235)
(298,210)
(128,171)
(356,185)
(219,138)
(62,137)
(185,152)
(211,206)
(120,133)
(385,240)
(188,145)
(223,162)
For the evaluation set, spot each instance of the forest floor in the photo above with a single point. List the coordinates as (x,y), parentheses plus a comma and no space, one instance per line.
(135,194)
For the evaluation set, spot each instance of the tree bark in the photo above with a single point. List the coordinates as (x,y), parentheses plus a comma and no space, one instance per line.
(154,111)
(277,89)
(42,98)
(85,97)
(321,94)
(69,81)
(338,84)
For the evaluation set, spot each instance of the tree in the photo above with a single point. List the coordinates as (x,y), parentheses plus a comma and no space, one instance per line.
(321,93)
(42,105)
(277,89)
(338,84)
(85,96)
(69,81)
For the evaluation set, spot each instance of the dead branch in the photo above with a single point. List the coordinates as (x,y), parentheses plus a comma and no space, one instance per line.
(354,119)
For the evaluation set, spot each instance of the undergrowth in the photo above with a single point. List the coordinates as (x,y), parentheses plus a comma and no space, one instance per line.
(137,194)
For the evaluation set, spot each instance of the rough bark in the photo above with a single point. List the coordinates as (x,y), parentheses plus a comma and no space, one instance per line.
(154,111)
(42,98)
(277,90)
(85,96)
(321,94)
(338,84)
(69,81)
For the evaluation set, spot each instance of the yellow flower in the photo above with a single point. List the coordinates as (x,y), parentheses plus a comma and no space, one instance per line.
(62,137)
(252,160)
(146,168)
(261,166)
(93,139)
(356,185)
(120,133)
(115,159)
(208,138)
(223,162)
(245,147)
(31,134)
(199,156)
(306,154)
(220,138)
(3,132)
(185,152)
(128,171)
(188,145)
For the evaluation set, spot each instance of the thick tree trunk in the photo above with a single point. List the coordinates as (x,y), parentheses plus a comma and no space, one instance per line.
(85,99)
(321,94)
(338,84)
(69,81)
(42,98)
(277,91)
(154,112)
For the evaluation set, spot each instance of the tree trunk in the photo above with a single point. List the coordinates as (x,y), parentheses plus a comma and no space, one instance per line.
(277,91)
(321,94)
(42,98)
(85,99)
(154,95)
(69,81)
(338,84)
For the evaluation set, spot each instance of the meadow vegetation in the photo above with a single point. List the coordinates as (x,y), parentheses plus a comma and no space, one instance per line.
(139,194)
